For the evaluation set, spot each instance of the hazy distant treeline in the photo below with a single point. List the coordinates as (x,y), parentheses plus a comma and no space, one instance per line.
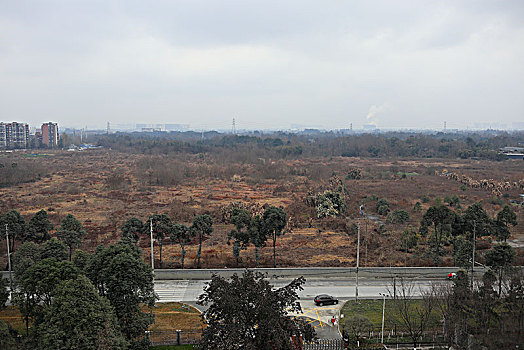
(250,148)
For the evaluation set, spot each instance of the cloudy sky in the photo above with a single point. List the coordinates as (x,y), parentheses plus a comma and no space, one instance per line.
(268,64)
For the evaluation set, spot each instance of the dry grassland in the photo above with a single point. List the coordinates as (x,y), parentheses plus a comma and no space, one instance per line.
(84,185)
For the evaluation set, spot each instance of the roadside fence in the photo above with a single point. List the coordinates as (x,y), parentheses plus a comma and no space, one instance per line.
(175,337)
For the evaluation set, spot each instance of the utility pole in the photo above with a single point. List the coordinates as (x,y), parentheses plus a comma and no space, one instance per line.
(152,256)
(9,260)
(473,257)
(358,257)
(383,312)
(367,237)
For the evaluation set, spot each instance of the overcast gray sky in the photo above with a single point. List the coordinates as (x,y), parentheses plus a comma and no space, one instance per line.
(268,64)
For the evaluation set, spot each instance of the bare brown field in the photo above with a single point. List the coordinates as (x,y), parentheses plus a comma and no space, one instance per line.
(80,184)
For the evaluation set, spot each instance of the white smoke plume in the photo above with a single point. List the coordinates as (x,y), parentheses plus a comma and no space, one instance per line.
(371,117)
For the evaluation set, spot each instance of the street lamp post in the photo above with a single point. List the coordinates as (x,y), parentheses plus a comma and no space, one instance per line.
(9,259)
(358,259)
(383,313)
(152,256)
(473,255)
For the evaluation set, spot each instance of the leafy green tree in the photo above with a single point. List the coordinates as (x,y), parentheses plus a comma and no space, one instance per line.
(417,207)
(398,216)
(71,233)
(16,227)
(274,221)
(37,285)
(499,259)
(119,274)
(245,312)
(133,228)
(161,229)
(6,340)
(26,256)
(180,234)
(80,259)
(442,219)
(54,248)
(257,235)
(78,318)
(38,227)
(241,219)
(505,217)
(4,292)
(475,217)
(42,278)
(409,239)
(202,227)
(462,251)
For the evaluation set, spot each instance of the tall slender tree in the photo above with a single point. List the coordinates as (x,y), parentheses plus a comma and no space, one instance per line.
(180,234)
(274,222)
(442,219)
(499,259)
(257,235)
(202,226)
(16,227)
(71,233)
(241,219)
(161,229)
(505,218)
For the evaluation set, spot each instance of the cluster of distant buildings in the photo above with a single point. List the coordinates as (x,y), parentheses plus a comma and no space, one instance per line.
(513,152)
(16,135)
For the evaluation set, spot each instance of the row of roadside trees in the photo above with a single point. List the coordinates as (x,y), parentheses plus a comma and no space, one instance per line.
(88,301)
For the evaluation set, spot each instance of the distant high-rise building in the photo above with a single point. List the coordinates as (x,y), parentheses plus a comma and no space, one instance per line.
(14,135)
(50,134)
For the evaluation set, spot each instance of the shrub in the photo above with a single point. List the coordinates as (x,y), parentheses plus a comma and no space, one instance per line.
(397,216)
(382,206)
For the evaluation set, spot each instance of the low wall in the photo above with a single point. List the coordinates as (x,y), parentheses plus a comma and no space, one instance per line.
(311,273)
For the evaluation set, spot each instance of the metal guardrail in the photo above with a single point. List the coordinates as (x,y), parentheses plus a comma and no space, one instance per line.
(311,273)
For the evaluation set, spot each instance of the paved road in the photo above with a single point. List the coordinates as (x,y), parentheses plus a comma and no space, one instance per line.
(320,317)
(188,291)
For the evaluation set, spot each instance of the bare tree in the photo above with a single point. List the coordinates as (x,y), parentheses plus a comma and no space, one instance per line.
(414,315)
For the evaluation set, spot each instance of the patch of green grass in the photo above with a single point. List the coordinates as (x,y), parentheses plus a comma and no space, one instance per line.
(370,308)
(400,173)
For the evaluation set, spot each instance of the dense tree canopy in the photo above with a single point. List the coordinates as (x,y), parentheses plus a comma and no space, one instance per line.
(119,274)
(245,312)
(78,318)
(16,227)
(53,248)
(71,233)
(38,227)
(133,228)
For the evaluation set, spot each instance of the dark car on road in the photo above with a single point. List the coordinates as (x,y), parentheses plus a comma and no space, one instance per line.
(324,299)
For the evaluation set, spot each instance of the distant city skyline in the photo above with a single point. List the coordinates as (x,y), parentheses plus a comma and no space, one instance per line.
(271,65)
